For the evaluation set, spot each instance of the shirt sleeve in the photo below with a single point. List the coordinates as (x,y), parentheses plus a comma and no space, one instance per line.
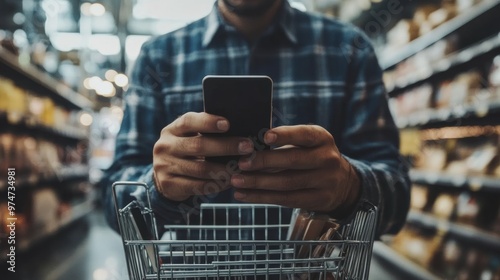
(140,129)
(370,140)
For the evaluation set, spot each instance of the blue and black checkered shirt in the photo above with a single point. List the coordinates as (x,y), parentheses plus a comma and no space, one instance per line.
(324,72)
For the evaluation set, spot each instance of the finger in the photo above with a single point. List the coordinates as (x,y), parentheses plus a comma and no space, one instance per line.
(210,146)
(298,135)
(193,123)
(197,169)
(305,199)
(288,180)
(289,158)
(181,187)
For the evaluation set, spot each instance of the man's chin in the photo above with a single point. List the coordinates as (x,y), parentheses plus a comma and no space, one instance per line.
(250,10)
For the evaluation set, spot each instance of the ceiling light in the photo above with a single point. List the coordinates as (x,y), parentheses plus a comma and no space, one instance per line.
(121,80)
(97,9)
(110,75)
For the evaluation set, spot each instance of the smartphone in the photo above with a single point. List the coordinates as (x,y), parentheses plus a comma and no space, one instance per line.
(245,101)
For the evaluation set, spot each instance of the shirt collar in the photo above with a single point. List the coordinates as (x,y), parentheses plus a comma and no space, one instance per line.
(286,23)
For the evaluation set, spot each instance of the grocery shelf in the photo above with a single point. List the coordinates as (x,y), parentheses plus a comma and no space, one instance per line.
(469,234)
(440,32)
(63,174)
(24,125)
(77,212)
(489,46)
(399,262)
(38,81)
(474,183)
(446,115)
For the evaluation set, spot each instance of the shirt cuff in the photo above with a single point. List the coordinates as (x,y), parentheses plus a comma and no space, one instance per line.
(165,210)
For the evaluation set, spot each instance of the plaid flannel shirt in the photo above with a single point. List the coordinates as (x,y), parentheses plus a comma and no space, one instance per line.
(324,72)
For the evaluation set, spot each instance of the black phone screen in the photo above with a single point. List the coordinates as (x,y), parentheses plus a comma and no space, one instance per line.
(246,101)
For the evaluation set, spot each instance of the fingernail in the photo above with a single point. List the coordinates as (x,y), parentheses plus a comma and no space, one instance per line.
(239,195)
(245,163)
(222,125)
(245,147)
(270,137)
(237,180)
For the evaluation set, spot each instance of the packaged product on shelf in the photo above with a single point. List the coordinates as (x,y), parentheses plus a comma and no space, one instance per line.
(5,87)
(416,100)
(49,159)
(442,15)
(494,76)
(467,209)
(44,211)
(417,245)
(446,261)
(418,197)
(496,170)
(35,108)
(481,159)
(422,13)
(402,33)
(444,206)
(32,158)
(48,115)
(422,19)
(433,158)
(465,87)
(443,94)
(61,118)
(3,155)
(13,101)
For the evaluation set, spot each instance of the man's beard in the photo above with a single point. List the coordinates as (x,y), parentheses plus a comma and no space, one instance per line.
(250,12)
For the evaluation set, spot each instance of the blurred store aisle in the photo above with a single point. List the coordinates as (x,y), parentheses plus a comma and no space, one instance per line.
(87,250)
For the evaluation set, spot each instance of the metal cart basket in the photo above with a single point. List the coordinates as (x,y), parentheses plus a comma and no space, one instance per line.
(241,241)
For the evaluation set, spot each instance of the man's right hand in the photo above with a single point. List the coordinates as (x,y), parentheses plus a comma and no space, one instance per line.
(179,165)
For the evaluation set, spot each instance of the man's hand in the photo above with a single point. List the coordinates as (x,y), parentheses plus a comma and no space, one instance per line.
(312,173)
(178,156)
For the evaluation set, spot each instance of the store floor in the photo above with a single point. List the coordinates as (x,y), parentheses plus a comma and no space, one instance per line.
(90,250)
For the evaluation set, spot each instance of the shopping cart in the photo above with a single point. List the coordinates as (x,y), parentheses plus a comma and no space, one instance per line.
(221,244)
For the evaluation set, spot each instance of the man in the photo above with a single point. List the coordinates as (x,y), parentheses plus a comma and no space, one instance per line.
(338,142)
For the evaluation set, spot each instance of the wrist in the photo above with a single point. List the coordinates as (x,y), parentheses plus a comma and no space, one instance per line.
(353,184)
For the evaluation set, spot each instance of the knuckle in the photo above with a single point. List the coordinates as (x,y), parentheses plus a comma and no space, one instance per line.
(261,161)
(320,134)
(165,130)
(311,136)
(194,145)
(158,148)
(185,121)
(201,169)
(162,146)
(333,159)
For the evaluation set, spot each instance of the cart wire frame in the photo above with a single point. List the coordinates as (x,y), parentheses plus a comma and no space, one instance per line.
(231,250)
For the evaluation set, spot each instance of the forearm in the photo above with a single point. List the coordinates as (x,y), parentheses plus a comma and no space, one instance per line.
(387,187)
